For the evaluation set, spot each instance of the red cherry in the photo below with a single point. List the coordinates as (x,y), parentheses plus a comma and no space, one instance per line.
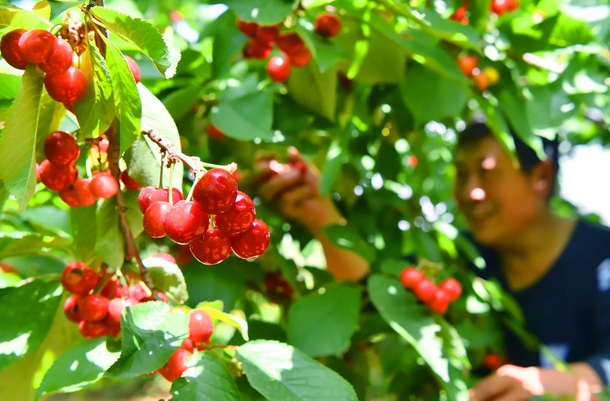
(129,182)
(61,148)
(460,15)
(451,287)
(511,5)
(103,185)
(425,290)
(410,277)
(252,243)
(153,219)
(69,86)
(300,59)
(137,292)
(290,43)
(188,345)
(150,195)
(213,248)
(116,308)
(60,58)
(278,69)
(36,45)
(57,177)
(78,278)
(493,361)
(267,33)
(82,188)
(467,64)
(150,298)
(239,218)
(93,329)
(412,161)
(71,308)
(9,48)
(440,302)
(165,256)
(114,328)
(70,197)
(214,132)
(184,222)
(327,25)
(201,327)
(255,49)
(176,365)
(134,67)
(93,307)
(248,28)
(216,191)
(345,81)
(103,145)
(113,289)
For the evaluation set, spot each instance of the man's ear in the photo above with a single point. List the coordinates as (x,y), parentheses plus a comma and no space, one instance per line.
(543,177)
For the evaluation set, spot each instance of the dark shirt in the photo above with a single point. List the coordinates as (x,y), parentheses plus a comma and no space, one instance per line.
(568,309)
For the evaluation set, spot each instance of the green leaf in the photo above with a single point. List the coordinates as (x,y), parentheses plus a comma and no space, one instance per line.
(332,168)
(109,244)
(142,34)
(9,86)
(84,231)
(314,90)
(336,310)
(401,309)
(431,96)
(18,18)
(25,243)
(77,368)
(464,35)
(150,335)
(281,372)
(240,324)
(127,103)
(180,102)
(265,12)
(20,336)
(18,140)
(348,238)
(58,7)
(167,277)
(144,157)
(206,379)
(245,118)
(326,53)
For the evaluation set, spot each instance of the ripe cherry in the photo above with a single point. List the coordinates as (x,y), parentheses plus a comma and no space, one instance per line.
(69,86)
(248,28)
(60,58)
(153,219)
(82,188)
(213,248)
(129,182)
(184,222)
(493,361)
(425,290)
(113,289)
(78,278)
(188,345)
(278,68)
(150,195)
(137,292)
(216,191)
(201,327)
(480,81)
(93,329)
(176,365)
(300,59)
(93,307)
(214,132)
(71,308)
(114,328)
(267,33)
(239,218)
(165,256)
(452,287)
(133,67)
(116,308)
(57,177)
(70,197)
(498,7)
(460,15)
(440,302)
(256,49)
(61,148)
(9,48)
(467,64)
(103,185)
(103,144)
(410,277)
(290,43)
(252,243)
(327,25)
(36,45)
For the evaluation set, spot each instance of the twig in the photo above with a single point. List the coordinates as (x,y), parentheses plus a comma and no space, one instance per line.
(193,163)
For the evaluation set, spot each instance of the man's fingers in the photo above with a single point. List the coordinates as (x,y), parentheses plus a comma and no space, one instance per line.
(492,387)
(270,189)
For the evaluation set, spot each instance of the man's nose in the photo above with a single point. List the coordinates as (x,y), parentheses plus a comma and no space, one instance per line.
(473,190)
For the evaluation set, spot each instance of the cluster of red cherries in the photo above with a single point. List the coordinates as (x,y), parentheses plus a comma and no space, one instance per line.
(98,300)
(201,328)
(59,174)
(275,284)
(232,229)
(64,82)
(294,52)
(436,298)
(498,7)
(482,78)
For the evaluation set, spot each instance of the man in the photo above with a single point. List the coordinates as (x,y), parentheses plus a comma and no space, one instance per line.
(558,269)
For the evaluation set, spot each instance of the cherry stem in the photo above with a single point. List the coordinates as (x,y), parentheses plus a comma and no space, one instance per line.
(171,183)
(190,195)
(231,167)
(191,162)
(161,170)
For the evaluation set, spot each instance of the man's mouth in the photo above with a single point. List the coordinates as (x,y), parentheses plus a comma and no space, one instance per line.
(478,212)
